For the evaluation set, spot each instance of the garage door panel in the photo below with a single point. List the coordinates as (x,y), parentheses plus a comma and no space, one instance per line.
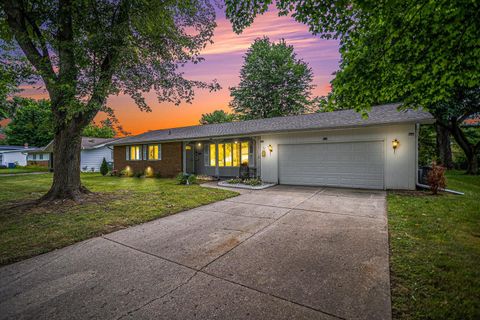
(353,164)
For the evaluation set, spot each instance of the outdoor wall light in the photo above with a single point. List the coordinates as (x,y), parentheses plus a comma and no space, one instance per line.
(270,148)
(395,144)
(199,144)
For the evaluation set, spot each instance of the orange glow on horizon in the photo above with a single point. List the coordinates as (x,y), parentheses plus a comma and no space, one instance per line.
(223,61)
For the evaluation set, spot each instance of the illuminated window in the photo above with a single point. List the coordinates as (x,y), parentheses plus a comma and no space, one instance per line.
(244,153)
(236,154)
(154,152)
(228,155)
(136,153)
(213,155)
(221,155)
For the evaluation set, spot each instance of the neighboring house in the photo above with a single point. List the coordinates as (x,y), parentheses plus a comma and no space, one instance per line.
(339,149)
(14,155)
(39,157)
(91,156)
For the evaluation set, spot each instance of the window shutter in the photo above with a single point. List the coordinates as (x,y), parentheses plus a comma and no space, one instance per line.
(127,156)
(159,152)
(144,152)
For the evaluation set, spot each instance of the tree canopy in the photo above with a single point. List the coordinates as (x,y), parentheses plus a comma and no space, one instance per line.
(104,129)
(31,123)
(273,82)
(217,116)
(85,51)
(423,54)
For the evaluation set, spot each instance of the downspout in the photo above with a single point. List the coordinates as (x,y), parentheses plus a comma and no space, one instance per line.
(417,183)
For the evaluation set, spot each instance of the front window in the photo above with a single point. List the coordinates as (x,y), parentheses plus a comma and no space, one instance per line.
(244,153)
(221,155)
(154,152)
(41,156)
(136,153)
(213,157)
(229,154)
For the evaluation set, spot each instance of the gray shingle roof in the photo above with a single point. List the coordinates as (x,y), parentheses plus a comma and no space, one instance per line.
(379,115)
(87,143)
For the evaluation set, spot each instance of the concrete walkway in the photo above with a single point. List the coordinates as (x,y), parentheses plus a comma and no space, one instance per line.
(280,253)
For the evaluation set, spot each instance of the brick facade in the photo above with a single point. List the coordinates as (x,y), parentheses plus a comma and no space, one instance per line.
(169,166)
(40,163)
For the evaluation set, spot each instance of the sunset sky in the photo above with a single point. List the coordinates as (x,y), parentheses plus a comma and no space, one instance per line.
(223,60)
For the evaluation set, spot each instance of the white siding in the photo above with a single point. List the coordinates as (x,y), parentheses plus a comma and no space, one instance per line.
(92,158)
(14,157)
(39,156)
(400,167)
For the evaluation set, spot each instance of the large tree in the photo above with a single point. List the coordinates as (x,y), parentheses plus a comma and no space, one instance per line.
(422,53)
(30,123)
(83,51)
(104,129)
(273,82)
(217,116)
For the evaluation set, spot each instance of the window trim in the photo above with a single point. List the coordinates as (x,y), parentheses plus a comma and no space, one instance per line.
(129,152)
(232,143)
(147,147)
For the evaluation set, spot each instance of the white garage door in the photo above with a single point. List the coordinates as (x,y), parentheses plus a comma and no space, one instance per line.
(349,164)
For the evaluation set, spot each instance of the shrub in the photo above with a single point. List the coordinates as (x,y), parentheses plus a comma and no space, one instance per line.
(186,178)
(253,182)
(127,172)
(114,173)
(158,175)
(104,167)
(436,178)
(138,174)
(234,181)
(149,173)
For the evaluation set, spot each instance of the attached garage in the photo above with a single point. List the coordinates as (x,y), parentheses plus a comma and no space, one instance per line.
(346,164)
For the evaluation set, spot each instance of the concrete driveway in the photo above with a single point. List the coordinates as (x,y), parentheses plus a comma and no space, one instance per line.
(280,253)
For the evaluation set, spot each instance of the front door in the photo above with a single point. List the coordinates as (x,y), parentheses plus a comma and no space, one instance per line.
(190,158)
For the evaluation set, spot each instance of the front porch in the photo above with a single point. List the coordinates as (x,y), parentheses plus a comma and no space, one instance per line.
(225,158)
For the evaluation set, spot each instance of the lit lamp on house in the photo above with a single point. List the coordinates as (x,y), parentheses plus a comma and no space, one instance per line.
(270,148)
(395,144)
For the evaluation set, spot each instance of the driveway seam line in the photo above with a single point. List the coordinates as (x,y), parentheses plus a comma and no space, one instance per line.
(232,214)
(211,275)
(158,298)
(255,233)
(296,208)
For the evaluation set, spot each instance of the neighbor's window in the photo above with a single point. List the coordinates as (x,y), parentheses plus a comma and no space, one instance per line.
(136,153)
(155,152)
(213,161)
(244,153)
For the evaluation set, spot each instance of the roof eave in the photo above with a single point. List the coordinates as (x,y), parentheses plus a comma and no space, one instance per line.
(346,127)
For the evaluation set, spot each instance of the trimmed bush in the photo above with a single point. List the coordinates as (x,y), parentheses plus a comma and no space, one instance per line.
(104,167)
(186,178)
(436,178)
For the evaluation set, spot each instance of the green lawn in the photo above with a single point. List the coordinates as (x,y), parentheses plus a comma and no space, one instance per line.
(435,252)
(122,202)
(25,169)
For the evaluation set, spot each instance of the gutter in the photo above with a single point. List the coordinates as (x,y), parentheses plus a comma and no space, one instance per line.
(418,184)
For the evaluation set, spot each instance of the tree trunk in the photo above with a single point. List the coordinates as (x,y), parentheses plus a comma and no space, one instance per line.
(444,150)
(66,166)
(470,150)
(472,164)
